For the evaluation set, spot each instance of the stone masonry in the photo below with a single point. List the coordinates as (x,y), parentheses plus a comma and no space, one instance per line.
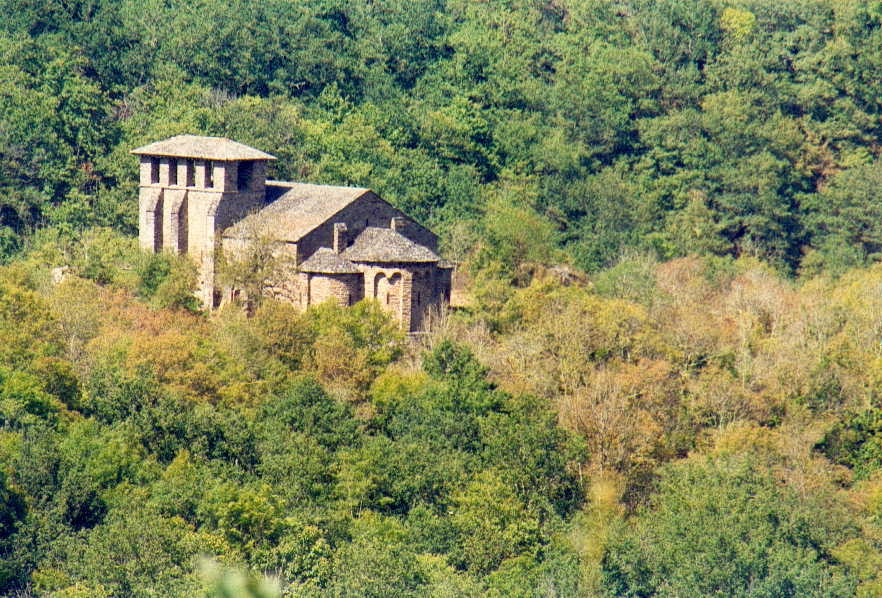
(201,195)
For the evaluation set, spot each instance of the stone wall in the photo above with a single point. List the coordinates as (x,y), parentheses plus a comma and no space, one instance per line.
(345,289)
(184,204)
(150,219)
(174,221)
(406,290)
(424,293)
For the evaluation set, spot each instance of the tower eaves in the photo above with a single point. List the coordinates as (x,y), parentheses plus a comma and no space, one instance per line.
(203,148)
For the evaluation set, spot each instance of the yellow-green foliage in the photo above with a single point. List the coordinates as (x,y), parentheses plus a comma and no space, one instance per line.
(538,137)
(719,361)
(215,427)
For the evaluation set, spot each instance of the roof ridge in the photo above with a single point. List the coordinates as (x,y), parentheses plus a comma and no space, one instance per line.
(293,184)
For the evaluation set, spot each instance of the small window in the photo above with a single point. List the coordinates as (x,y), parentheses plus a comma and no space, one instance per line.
(387,298)
(209,174)
(243,176)
(154,171)
(191,173)
(418,298)
(173,171)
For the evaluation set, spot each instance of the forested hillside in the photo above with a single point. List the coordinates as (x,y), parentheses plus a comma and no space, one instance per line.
(697,427)
(666,380)
(672,126)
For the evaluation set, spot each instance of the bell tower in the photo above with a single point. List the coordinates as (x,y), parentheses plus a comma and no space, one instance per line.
(191,188)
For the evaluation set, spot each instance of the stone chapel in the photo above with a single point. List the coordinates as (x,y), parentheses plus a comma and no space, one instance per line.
(204,195)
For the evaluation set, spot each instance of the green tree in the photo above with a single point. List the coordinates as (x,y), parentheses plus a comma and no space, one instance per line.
(846,214)
(12,511)
(377,563)
(724,526)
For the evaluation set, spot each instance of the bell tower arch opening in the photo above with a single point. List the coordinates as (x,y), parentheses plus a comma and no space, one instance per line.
(191,188)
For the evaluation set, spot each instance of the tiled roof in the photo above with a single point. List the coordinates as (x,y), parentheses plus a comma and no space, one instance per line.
(205,148)
(325,261)
(386,245)
(295,209)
